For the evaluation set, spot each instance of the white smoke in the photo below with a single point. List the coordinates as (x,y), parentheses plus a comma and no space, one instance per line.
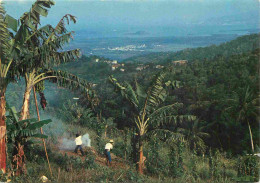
(86,140)
(69,144)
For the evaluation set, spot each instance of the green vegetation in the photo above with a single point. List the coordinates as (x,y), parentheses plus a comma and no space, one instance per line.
(190,122)
(240,45)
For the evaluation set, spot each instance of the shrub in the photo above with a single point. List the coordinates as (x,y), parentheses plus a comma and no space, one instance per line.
(89,161)
(248,167)
(157,160)
(134,176)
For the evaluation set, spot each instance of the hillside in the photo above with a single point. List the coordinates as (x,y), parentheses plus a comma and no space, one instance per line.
(240,45)
(207,87)
(98,72)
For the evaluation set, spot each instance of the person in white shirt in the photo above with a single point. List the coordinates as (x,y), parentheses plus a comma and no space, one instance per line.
(78,141)
(108,148)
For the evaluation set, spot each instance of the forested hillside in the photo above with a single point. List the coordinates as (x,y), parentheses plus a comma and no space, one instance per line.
(240,45)
(209,85)
(148,120)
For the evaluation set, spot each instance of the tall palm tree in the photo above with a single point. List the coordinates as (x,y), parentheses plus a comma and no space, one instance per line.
(43,45)
(5,63)
(40,49)
(244,106)
(149,113)
(194,134)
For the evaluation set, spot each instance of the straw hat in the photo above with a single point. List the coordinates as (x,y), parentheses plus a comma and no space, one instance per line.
(111,141)
(44,178)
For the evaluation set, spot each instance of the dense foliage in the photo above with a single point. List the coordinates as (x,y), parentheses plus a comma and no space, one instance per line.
(184,122)
(240,45)
(213,89)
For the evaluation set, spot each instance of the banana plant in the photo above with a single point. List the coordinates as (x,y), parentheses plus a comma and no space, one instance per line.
(3,85)
(44,45)
(22,41)
(148,105)
(39,49)
(5,64)
(19,131)
(13,55)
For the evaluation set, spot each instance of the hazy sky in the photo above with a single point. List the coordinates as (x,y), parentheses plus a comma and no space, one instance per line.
(123,13)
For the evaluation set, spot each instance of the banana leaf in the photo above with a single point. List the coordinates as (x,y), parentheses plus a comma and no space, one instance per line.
(42,136)
(39,124)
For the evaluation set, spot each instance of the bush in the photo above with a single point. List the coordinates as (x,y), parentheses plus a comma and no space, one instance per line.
(134,176)
(157,162)
(89,161)
(248,168)
(203,173)
(119,149)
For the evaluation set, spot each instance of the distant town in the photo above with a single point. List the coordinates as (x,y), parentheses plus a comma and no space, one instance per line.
(121,66)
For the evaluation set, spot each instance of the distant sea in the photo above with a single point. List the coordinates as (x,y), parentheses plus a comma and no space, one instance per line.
(122,29)
(121,43)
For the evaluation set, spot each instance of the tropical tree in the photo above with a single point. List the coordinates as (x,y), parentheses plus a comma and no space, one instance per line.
(3,85)
(244,106)
(5,63)
(43,45)
(19,132)
(149,114)
(194,134)
(74,113)
(40,49)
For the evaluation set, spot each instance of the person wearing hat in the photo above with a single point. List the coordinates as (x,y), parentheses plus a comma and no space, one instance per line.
(108,148)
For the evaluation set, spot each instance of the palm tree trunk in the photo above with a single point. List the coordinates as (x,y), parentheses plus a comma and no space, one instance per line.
(106,131)
(2,131)
(251,137)
(140,164)
(19,156)
(134,152)
(125,142)
(26,100)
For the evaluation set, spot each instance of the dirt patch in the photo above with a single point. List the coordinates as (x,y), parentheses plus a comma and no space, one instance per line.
(117,162)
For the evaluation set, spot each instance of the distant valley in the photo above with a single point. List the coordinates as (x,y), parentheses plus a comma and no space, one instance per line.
(121,46)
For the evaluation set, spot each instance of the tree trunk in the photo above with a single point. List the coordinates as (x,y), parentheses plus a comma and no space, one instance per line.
(125,142)
(134,152)
(106,131)
(26,100)
(19,156)
(140,164)
(2,131)
(251,137)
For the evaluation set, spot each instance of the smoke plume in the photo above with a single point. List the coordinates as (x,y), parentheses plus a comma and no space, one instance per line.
(69,144)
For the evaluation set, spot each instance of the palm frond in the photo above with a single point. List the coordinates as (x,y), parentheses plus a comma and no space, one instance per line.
(60,28)
(167,135)
(72,82)
(24,128)
(126,91)
(38,9)
(4,35)
(157,93)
